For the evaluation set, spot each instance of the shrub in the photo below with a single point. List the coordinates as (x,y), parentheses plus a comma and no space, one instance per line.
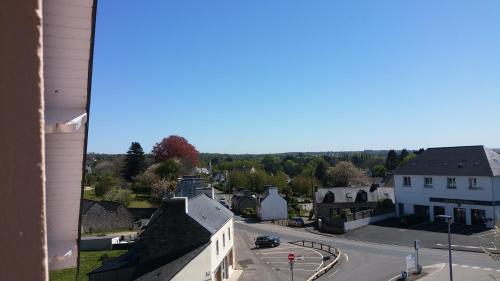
(123,196)
(104,184)
(143,182)
(162,189)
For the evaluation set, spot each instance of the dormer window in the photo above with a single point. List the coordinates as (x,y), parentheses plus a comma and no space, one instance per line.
(407,181)
(329,197)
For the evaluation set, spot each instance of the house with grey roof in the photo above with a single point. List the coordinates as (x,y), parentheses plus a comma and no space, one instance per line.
(271,205)
(335,206)
(242,201)
(191,186)
(105,216)
(462,182)
(185,239)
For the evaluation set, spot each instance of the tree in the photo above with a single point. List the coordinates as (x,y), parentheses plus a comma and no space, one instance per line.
(144,182)
(379,171)
(407,158)
(392,161)
(321,172)
(238,180)
(403,154)
(104,184)
(302,184)
(176,147)
(291,168)
(271,164)
(169,170)
(119,195)
(346,174)
(162,189)
(135,161)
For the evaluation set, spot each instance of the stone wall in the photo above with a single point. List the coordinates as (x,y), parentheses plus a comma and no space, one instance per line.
(99,219)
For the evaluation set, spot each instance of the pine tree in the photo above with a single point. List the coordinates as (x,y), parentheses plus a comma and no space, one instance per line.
(392,161)
(321,172)
(135,162)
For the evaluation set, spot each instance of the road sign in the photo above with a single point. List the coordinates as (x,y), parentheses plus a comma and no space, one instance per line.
(416,244)
(291,257)
(411,262)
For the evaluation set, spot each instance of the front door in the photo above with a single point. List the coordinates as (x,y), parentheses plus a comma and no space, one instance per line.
(459,216)
(421,211)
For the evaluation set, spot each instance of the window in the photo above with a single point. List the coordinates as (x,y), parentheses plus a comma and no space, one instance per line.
(229,234)
(428,182)
(472,182)
(217,247)
(452,183)
(407,181)
(223,240)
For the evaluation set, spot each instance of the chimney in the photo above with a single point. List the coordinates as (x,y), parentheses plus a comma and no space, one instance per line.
(175,204)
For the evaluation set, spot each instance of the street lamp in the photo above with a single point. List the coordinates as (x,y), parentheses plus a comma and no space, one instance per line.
(447,219)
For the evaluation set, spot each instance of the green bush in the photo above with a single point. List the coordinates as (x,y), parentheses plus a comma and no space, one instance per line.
(104,184)
(119,195)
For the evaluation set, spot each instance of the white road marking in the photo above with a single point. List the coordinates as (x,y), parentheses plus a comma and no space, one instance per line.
(475,267)
(346,257)
(287,268)
(465,266)
(330,276)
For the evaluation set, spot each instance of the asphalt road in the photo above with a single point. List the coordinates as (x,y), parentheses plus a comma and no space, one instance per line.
(364,261)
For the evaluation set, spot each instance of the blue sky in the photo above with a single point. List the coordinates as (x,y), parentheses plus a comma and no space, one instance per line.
(285,75)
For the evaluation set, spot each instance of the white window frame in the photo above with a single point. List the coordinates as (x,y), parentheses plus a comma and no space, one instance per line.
(453,181)
(426,184)
(473,183)
(405,183)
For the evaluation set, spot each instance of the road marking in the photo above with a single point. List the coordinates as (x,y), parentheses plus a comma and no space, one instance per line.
(465,266)
(273,253)
(287,268)
(475,267)
(346,257)
(330,276)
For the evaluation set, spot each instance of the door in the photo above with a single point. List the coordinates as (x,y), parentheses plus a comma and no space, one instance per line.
(422,211)
(478,217)
(459,216)
(401,208)
(438,210)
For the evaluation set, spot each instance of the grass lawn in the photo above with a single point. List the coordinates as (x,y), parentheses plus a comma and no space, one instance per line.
(88,262)
(139,200)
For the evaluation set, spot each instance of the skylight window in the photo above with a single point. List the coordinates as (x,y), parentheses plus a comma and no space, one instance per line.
(496,162)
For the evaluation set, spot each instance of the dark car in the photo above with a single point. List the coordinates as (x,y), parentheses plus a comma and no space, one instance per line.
(299,222)
(267,241)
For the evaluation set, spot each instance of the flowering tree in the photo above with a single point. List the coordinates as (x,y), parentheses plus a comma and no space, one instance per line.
(176,147)
(162,189)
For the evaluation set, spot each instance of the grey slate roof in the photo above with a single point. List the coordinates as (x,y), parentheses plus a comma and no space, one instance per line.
(348,194)
(208,212)
(454,161)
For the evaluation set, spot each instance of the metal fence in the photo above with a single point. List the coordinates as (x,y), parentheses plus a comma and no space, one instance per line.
(317,245)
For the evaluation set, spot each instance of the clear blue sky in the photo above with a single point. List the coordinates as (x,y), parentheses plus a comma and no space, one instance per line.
(263,76)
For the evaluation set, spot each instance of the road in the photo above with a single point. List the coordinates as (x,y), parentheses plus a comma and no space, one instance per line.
(365,261)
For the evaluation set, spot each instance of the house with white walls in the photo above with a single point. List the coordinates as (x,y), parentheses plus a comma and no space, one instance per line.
(271,206)
(186,239)
(462,182)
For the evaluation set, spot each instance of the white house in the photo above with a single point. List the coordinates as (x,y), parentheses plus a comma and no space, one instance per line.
(271,206)
(463,182)
(184,240)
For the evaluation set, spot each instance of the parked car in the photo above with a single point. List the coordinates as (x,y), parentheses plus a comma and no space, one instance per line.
(296,222)
(267,241)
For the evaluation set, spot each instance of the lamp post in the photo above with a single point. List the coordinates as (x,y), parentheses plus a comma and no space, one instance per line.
(447,219)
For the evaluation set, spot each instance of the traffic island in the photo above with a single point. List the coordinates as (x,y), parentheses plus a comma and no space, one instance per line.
(426,272)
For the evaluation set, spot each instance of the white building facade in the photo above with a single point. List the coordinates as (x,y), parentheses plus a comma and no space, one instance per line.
(271,206)
(462,182)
